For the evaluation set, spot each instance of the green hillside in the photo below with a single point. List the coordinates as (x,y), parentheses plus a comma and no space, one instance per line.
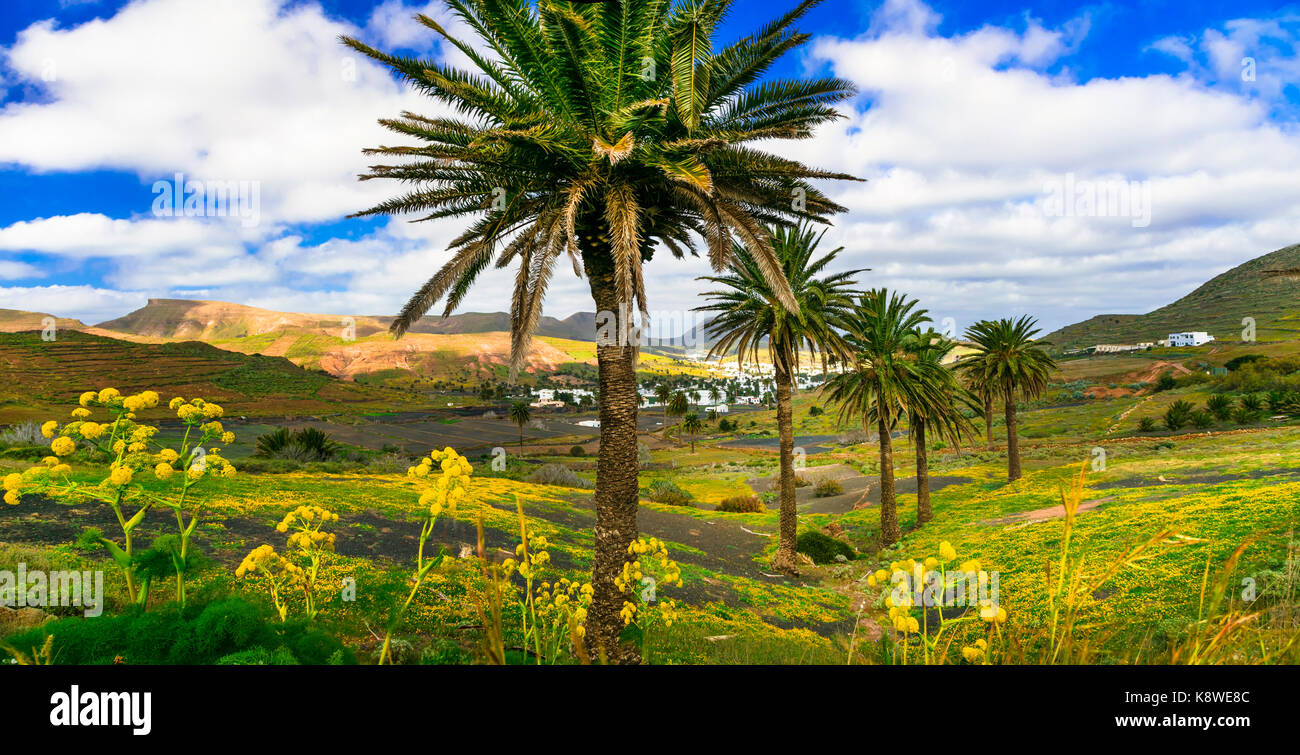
(37,375)
(1217,307)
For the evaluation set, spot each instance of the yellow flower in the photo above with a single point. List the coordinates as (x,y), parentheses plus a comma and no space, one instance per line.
(11,498)
(947,552)
(168,455)
(227,438)
(971,565)
(121,476)
(931,563)
(63,445)
(228,471)
(163,471)
(175,403)
(91,430)
(13,481)
(108,394)
(47,429)
(972,655)
(87,397)
(80,413)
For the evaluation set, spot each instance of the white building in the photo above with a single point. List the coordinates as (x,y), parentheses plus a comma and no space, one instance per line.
(1190,338)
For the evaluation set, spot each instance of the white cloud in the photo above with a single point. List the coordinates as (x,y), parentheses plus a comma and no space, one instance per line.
(86,303)
(250,90)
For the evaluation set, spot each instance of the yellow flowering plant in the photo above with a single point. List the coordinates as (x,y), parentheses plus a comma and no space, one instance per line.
(311,544)
(930,577)
(133,451)
(278,573)
(450,473)
(647,568)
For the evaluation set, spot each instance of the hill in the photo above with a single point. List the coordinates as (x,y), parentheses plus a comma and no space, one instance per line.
(1251,289)
(36,375)
(224,321)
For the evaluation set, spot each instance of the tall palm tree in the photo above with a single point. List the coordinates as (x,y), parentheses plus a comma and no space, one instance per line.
(664,394)
(602,131)
(746,312)
(933,405)
(692,425)
(882,381)
(1009,360)
(520,415)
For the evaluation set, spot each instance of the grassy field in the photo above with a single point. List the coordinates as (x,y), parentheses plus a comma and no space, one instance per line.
(1176,534)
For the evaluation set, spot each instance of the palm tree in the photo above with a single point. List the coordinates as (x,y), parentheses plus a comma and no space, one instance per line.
(520,415)
(881,382)
(1010,361)
(745,312)
(692,425)
(602,131)
(677,406)
(934,404)
(664,394)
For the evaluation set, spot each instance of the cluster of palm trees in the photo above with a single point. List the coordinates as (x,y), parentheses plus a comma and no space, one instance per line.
(602,133)
(894,365)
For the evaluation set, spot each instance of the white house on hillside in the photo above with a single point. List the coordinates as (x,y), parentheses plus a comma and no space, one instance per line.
(1190,338)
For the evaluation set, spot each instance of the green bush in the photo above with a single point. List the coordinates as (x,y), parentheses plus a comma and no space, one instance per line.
(306,444)
(1147,425)
(742,504)
(1202,419)
(828,488)
(1178,414)
(822,548)
(667,491)
(577,451)
(230,630)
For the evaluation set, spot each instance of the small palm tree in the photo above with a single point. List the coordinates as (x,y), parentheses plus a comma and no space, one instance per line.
(882,381)
(1008,358)
(677,406)
(692,425)
(746,313)
(601,132)
(664,394)
(520,415)
(978,384)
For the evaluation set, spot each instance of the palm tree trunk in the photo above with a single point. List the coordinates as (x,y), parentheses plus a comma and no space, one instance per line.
(789,518)
(616,468)
(889,531)
(1013,443)
(988,420)
(923,513)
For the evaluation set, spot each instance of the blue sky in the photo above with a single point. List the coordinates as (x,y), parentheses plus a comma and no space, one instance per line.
(973,118)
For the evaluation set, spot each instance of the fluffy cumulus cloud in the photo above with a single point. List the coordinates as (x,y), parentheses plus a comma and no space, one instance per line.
(998,183)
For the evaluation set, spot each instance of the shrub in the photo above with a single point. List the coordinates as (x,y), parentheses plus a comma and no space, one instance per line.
(828,488)
(557,474)
(1178,414)
(1147,425)
(667,491)
(815,411)
(1202,419)
(1243,416)
(1165,382)
(307,444)
(801,482)
(822,548)
(852,437)
(742,504)
(1220,405)
(226,631)
(577,451)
